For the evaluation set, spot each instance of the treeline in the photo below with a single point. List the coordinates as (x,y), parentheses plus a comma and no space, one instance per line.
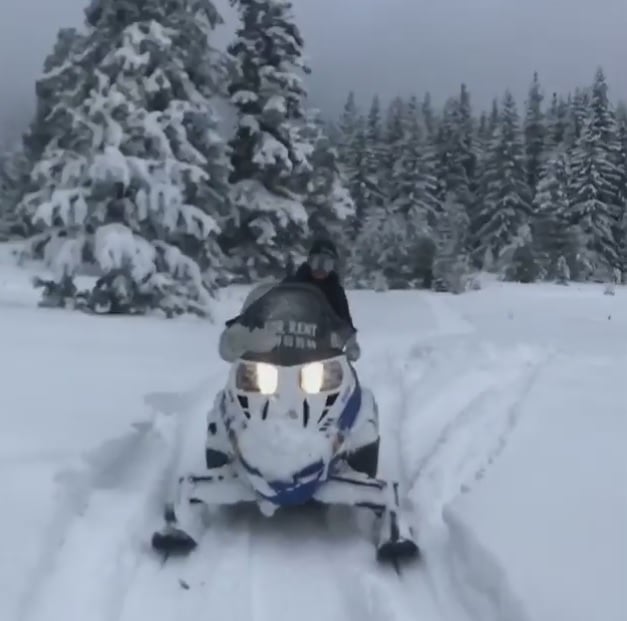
(537,195)
(127,173)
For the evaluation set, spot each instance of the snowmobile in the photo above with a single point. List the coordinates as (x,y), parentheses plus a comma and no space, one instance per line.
(293,426)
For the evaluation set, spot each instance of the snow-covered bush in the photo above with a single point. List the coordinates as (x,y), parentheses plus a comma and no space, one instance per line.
(563,271)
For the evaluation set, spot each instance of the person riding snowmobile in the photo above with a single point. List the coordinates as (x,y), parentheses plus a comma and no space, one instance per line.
(320,269)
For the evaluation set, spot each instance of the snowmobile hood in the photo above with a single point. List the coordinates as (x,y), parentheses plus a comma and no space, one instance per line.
(285,462)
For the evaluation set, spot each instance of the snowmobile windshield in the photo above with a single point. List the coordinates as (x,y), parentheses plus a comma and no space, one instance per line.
(309,327)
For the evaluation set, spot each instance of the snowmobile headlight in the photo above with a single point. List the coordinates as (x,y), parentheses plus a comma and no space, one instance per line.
(267,378)
(257,377)
(321,377)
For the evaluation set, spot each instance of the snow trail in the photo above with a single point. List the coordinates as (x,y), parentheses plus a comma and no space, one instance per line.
(458,400)
(96,537)
(448,402)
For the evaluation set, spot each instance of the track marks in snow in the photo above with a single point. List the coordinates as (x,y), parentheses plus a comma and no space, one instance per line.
(306,564)
(93,553)
(480,582)
(459,433)
(467,404)
(96,537)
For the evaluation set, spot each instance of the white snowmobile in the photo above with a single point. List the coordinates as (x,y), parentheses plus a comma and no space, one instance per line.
(292,426)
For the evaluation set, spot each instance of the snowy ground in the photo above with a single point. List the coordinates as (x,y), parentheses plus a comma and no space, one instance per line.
(504,414)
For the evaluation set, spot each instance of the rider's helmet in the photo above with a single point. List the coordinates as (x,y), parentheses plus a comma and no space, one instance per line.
(323,258)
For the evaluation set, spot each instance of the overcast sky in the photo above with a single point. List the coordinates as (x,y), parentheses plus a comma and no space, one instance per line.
(385,46)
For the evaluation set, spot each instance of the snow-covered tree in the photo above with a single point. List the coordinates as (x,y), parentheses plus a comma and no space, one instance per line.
(452,263)
(363,189)
(374,159)
(328,202)
(13,181)
(518,260)
(556,125)
(454,154)
(535,133)
(552,229)
(429,120)
(495,117)
(412,177)
(132,173)
(622,244)
(563,272)
(389,251)
(483,136)
(595,183)
(504,194)
(467,136)
(271,167)
(64,76)
(348,126)
(621,232)
(577,113)
(393,139)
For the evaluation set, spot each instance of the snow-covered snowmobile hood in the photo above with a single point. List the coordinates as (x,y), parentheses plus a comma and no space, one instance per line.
(285,461)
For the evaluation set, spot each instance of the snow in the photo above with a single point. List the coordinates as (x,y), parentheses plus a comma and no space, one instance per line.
(68,206)
(271,152)
(115,247)
(502,414)
(271,454)
(257,198)
(557,500)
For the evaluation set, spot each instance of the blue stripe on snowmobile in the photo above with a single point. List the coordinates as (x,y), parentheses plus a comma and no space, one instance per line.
(349,414)
(296,495)
(309,470)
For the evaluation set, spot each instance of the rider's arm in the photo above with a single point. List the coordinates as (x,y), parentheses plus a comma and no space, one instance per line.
(342,301)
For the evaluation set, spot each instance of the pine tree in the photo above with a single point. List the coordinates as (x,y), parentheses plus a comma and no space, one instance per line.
(452,263)
(328,202)
(505,196)
(393,139)
(621,232)
(454,156)
(271,167)
(413,176)
(359,181)
(428,119)
(14,168)
(467,136)
(388,252)
(407,219)
(347,130)
(131,172)
(577,114)
(63,71)
(594,185)
(556,125)
(535,133)
(495,117)
(622,244)
(552,230)
(375,154)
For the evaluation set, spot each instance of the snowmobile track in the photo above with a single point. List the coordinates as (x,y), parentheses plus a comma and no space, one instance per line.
(112,490)
(476,434)
(310,566)
(468,444)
